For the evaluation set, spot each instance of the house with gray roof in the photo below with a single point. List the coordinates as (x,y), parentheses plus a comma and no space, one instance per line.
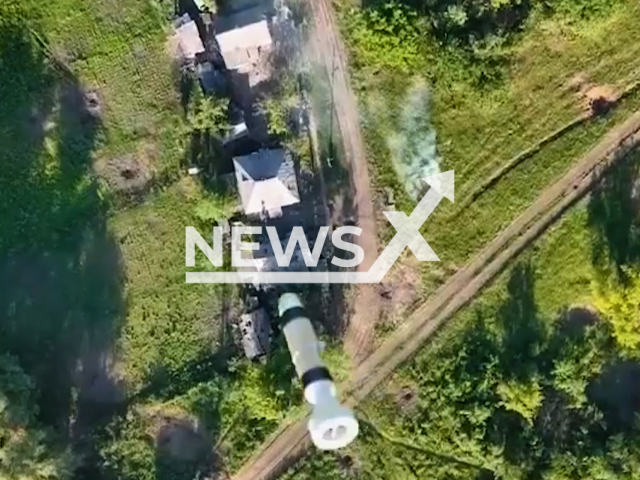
(266,182)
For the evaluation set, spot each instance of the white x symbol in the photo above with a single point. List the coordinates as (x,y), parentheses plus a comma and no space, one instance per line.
(408,228)
(409,233)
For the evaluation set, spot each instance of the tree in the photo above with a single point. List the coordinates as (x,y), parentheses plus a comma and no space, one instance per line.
(277,114)
(385,38)
(207,123)
(619,305)
(26,451)
(523,398)
(208,115)
(129,452)
(577,364)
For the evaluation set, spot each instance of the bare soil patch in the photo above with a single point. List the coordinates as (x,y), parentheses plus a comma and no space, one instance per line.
(596,99)
(407,399)
(399,292)
(179,438)
(329,50)
(127,174)
(400,288)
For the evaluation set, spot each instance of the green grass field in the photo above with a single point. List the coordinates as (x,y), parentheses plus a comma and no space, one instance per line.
(481,126)
(169,323)
(120,50)
(55,146)
(97,309)
(93,299)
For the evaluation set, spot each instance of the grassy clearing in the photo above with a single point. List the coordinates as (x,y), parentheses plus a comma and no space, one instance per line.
(480,126)
(459,239)
(479,129)
(169,323)
(120,50)
(93,301)
(53,143)
(61,291)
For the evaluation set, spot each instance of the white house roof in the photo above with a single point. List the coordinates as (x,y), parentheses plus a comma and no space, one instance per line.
(244,45)
(266,181)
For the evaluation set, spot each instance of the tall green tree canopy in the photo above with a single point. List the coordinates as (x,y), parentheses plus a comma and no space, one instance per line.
(26,452)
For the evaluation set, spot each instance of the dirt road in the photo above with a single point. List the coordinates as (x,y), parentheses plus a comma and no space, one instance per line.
(329,51)
(292,441)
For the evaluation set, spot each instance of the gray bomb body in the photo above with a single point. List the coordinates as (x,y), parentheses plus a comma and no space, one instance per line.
(331,426)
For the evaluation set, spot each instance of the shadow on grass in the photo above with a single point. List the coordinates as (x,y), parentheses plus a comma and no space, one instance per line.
(614,217)
(164,385)
(523,330)
(184,452)
(617,395)
(61,299)
(565,363)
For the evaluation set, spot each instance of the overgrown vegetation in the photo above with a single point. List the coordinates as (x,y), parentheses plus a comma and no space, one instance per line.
(206,125)
(27,449)
(112,367)
(537,378)
(101,340)
(59,268)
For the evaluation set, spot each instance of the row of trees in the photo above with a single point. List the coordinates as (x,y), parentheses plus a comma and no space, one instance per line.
(28,450)
(465,22)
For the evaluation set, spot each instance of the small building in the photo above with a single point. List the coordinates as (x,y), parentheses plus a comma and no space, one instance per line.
(266,182)
(255,331)
(238,130)
(243,39)
(187,39)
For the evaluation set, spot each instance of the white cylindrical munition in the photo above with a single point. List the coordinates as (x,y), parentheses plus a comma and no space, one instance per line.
(331,425)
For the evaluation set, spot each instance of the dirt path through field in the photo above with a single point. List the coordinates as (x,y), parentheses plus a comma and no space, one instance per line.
(329,51)
(292,441)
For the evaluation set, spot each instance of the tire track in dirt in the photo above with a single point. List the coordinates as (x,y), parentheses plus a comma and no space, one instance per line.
(330,52)
(292,441)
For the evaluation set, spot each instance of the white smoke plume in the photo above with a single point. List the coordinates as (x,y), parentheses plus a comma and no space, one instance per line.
(413,143)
